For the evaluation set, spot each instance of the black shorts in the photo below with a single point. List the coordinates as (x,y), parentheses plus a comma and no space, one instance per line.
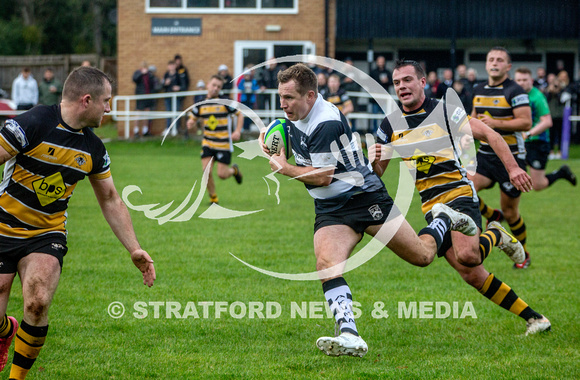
(223,156)
(537,153)
(490,166)
(467,207)
(360,212)
(12,250)
(145,103)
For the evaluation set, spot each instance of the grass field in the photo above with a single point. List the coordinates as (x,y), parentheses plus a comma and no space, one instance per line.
(194,265)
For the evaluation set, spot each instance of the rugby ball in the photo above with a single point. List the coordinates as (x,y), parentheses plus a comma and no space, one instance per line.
(278,136)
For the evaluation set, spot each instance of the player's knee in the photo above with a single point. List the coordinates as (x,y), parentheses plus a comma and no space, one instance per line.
(37,308)
(510,214)
(469,257)
(223,175)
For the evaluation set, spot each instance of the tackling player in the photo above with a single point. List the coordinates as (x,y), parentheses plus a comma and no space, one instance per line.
(422,139)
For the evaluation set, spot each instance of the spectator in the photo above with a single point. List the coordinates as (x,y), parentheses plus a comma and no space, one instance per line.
(224,72)
(25,90)
(541,82)
(447,83)
(171,84)
(183,74)
(471,81)
(348,84)
(268,80)
(461,72)
(338,96)
(432,84)
(144,84)
(555,89)
(200,86)
(459,88)
(248,87)
(86,63)
(50,89)
(383,77)
(322,84)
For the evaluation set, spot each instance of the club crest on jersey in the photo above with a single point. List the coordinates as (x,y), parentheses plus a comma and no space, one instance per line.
(376,212)
(106,160)
(80,159)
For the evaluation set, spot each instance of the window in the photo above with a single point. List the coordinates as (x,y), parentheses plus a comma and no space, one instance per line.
(222,6)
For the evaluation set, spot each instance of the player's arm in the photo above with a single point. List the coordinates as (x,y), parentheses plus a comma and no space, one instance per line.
(238,132)
(544,124)
(518,177)
(380,156)
(4,155)
(117,215)
(191,122)
(306,174)
(522,120)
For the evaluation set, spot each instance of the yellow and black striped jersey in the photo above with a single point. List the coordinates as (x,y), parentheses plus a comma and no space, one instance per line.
(424,143)
(499,102)
(216,125)
(339,98)
(49,158)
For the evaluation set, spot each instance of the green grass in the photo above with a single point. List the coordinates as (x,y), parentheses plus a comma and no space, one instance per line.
(193,264)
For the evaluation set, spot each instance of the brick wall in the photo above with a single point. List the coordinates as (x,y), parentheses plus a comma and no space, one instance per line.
(203,54)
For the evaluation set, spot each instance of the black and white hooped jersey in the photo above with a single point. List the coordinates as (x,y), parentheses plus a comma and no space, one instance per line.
(49,158)
(324,139)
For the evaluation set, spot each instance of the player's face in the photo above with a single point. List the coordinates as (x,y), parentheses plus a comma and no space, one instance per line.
(295,106)
(497,64)
(214,87)
(409,88)
(525,81)
(99,106)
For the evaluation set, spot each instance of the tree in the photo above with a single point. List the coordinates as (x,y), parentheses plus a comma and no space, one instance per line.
(57,27)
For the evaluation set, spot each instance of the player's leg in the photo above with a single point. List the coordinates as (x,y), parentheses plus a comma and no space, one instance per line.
(8,325)
(481,181)
(499,293)
(225,171)
(416,250)
(564,172)
(333,244)
(205,161)
(39,274)
(539,179)
(492,215)
(510,208)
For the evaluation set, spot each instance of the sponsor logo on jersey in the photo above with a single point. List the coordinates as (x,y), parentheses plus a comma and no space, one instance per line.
(49,189)
(520,99)
(458,114)
(17,131)
(106,160)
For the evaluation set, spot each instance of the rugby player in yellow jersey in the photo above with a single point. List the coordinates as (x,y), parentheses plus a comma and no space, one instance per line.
(442,179)
(505,107)
(217,135)
(47,150)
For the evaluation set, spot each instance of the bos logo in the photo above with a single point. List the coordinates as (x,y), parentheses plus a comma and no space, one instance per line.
(49,189)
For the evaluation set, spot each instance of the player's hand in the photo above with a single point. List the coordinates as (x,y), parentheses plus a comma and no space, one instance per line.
(380,152)
(236,135)
(261,141)
(144,263)
(521,180)
(279,161)
(489,121)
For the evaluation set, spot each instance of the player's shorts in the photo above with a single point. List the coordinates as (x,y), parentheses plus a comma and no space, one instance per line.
(360,212)
(467,207)
(223,156)
(490,166)
(12,250)
(537,153)
(145,103)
